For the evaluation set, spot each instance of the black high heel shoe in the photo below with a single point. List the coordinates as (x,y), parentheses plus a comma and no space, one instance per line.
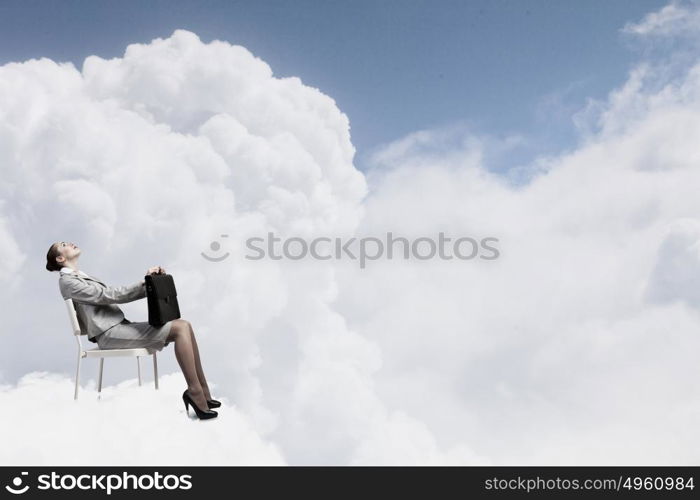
(213,403)
(201,414)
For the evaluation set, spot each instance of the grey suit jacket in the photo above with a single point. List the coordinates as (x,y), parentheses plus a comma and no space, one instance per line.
(95,302)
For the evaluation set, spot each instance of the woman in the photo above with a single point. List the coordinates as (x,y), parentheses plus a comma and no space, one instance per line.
(104,322)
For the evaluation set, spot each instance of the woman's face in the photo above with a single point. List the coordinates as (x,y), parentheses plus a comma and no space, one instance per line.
(67,251)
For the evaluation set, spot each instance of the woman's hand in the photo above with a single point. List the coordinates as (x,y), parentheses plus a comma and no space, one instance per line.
(155,270)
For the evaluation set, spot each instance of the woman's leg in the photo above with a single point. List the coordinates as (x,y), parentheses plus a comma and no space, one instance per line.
(184,352)
(198,364)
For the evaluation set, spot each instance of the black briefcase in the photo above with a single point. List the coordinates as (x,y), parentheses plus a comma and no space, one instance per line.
(162,299)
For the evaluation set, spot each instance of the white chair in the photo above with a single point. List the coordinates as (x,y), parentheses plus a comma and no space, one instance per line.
(105,353)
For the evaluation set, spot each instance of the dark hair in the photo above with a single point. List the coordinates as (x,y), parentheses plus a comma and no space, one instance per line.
(51,264)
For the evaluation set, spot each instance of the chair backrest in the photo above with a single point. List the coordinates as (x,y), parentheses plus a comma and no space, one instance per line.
(73,317)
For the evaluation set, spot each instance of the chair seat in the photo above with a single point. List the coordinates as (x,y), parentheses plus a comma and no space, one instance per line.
(105,353)
(113,353)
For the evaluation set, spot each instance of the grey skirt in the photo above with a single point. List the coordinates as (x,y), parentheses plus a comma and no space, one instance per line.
(130,335)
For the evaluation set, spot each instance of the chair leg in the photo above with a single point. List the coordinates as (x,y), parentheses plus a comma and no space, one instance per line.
(155,369)
(138,367)
(99,378)
(77,376)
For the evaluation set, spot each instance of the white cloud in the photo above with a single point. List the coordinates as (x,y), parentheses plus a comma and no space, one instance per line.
(671,20)
(129,425)
(676,274)
(147,158)
(14,258)
(575,346)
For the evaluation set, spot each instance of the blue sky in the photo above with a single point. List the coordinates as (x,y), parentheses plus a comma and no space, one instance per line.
(393,67)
